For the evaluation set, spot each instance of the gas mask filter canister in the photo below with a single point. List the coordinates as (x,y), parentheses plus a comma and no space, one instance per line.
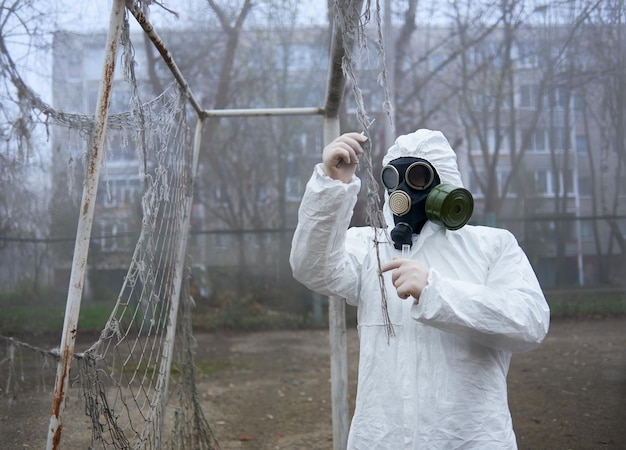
(417,194)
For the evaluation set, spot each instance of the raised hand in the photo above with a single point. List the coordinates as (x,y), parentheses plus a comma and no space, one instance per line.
(341,156)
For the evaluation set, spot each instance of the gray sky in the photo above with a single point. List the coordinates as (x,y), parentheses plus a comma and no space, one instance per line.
(87,16)
(95,13)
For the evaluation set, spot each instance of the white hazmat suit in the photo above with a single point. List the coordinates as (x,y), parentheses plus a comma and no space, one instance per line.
(440,382)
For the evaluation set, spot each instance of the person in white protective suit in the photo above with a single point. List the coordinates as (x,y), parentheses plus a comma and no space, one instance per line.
(461,302)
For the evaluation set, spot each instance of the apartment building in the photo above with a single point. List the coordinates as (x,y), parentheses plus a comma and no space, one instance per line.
(534,161)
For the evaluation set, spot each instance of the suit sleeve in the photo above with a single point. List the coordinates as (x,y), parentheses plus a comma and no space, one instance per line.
(507,312)
(318,258)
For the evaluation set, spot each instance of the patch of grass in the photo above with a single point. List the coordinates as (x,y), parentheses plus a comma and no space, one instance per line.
(207,367)
(94,317)
(583,302)
(40,320)
(238,319)
(242,313)
(32,320)
(245,313)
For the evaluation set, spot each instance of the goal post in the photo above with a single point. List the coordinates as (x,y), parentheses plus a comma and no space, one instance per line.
(83,233)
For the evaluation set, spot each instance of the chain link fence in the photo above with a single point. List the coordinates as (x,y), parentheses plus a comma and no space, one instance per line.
(249,271)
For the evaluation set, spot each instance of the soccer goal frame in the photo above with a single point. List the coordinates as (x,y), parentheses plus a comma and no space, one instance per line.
(335,87)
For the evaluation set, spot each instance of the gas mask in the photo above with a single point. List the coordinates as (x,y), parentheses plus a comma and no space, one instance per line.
(416,195)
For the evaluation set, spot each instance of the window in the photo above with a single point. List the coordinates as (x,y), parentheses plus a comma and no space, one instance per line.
(223,241)
(92,100)
(501,143)
(219,196)
(93,60)
(579,102)
(586,229)
(557,138)
(505,140)
(301,56)
(526,56)
(293,189)
(566,182)
(542,140)
(528,96)
(511,191)
(120,101)
(546,185)
(585,186)
(310,141)
(262,195)
(621,224)
(74,67)
(112,236)
(435,60)
(94,57)
(581,144)
(108,237)
(118,192)
(542,182)
(557,97)
(487,52)
(474,184)
(475,144)
(537,141)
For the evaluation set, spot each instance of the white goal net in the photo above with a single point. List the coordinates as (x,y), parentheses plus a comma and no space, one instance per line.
(140,370)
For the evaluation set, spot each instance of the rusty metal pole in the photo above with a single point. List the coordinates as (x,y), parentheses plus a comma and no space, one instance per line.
(83,232)
(166,362)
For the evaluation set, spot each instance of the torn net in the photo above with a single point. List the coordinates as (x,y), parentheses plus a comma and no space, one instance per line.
(145,350)
(351,24)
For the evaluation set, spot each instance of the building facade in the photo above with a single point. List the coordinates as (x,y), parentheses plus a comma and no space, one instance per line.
(522,125)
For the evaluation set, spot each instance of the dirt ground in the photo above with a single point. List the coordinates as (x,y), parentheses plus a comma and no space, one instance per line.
(271,390)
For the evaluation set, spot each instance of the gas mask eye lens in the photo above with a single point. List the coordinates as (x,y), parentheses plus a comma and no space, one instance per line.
(390,177)
(419,176)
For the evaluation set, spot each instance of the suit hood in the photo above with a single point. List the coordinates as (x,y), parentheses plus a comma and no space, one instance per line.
(429,145)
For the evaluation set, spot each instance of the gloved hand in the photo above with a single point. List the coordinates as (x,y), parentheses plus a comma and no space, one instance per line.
(409,277)
(341,156)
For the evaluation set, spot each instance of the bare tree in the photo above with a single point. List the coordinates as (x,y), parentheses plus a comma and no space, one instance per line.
(234,62)
(23,217)
(602,98)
